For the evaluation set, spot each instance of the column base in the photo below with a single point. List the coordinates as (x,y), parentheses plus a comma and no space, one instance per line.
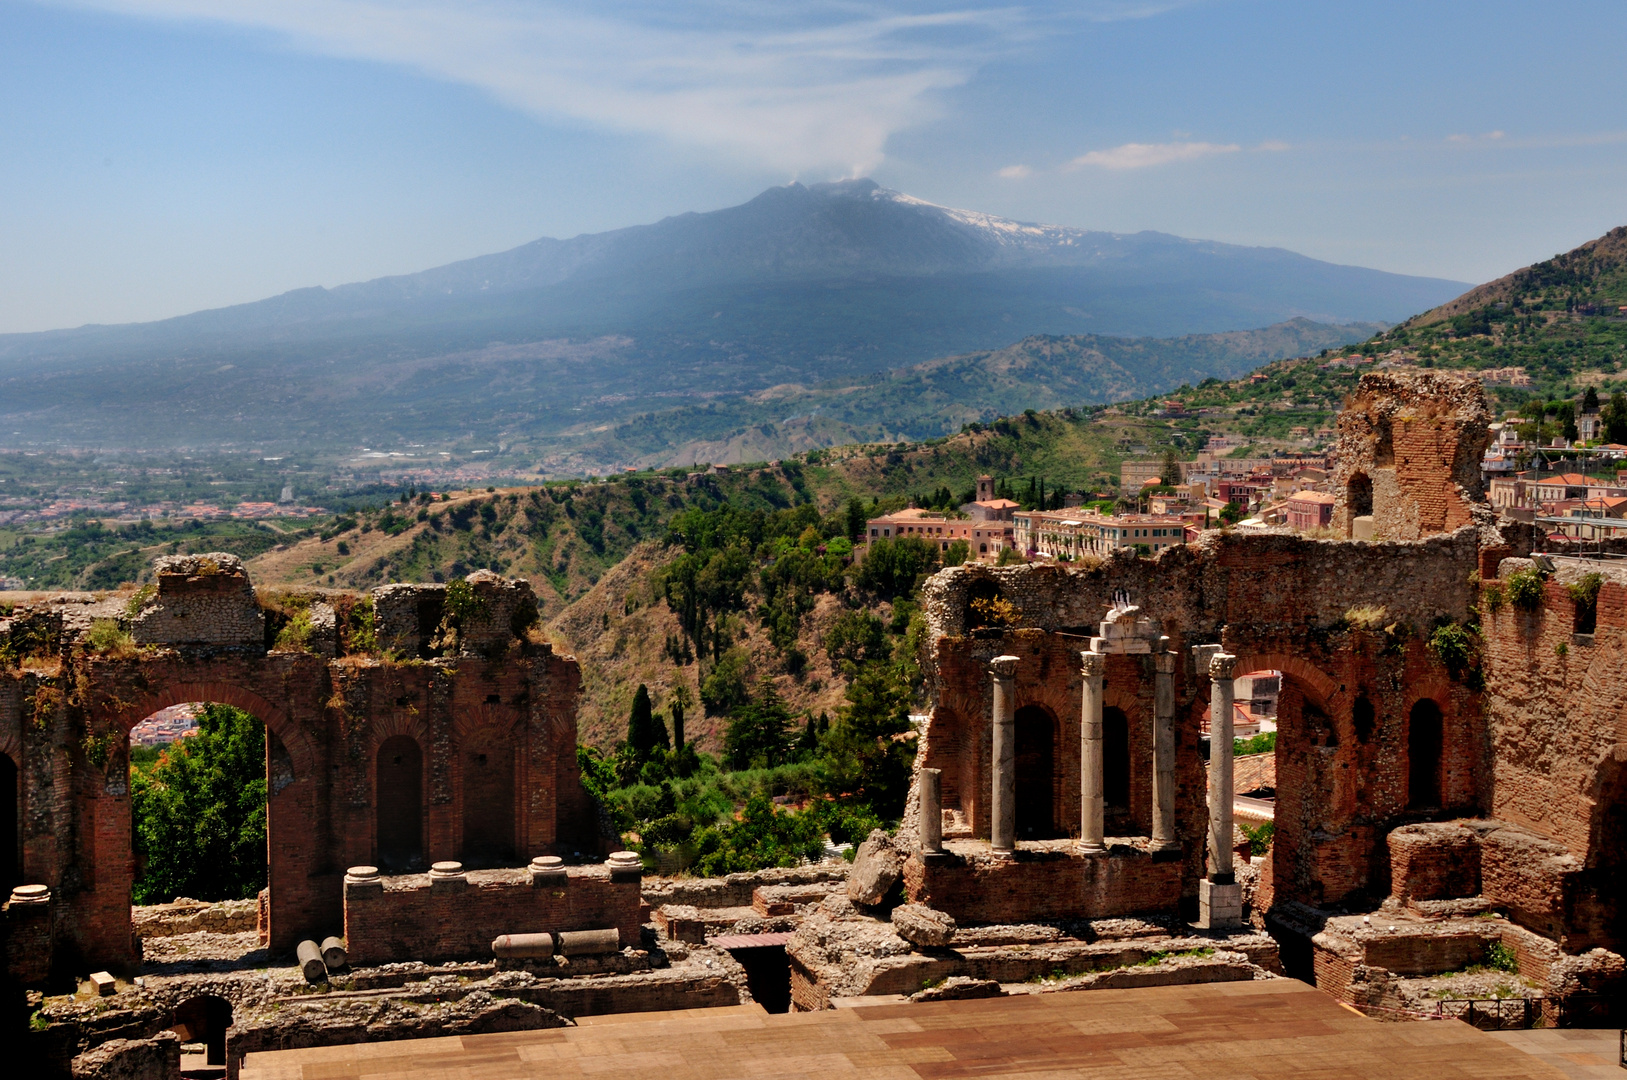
(1220,907)
(1092,848)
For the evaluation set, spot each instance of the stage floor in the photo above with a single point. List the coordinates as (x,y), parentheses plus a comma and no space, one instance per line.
(1270,1030)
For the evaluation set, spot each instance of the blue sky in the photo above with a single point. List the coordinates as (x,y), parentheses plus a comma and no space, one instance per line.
(162,156)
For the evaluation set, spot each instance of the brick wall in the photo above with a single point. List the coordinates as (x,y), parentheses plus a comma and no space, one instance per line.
(413,917)
(1058,883)
(1434,862)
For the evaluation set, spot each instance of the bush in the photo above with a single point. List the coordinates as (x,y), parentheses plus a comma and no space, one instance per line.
(1526,588)
(894,568)
(110,639)
(1368,617)
(724,688)
(1263,743)
(1491,595)
(1259,837)
(1456,646)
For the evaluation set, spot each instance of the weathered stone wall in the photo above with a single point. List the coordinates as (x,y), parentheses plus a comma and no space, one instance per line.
(496,733)
(1039,885)
(201,600)
(1417,438)
(416,917)
(1344,622)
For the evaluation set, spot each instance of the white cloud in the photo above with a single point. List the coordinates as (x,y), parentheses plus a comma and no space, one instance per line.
(1273,146)
(1016,172)
(815,86)
(1147,155)
(1490,136)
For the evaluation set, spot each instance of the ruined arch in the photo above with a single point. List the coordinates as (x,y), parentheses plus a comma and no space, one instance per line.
(399,804)
(277,721)
(204,1019)
(1037,737)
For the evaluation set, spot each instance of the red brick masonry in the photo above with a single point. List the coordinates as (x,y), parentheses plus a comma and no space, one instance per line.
(412,917)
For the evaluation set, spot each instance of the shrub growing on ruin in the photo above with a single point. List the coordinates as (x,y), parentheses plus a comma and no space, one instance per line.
(110,639)
(1456,646)
(1525,588)
(1584,592)
(1491,596)
(1367,617)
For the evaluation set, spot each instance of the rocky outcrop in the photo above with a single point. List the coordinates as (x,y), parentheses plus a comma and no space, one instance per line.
(158,1058)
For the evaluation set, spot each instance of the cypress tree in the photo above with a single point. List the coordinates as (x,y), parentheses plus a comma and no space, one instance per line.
(641,737)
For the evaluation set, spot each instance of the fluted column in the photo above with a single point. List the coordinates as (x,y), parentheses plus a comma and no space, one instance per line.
(931,811)
(1092,826)
(1163,750)
(1003,797)
(1222,692)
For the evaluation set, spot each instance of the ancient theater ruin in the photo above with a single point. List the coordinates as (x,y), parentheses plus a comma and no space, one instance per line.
(1450,792)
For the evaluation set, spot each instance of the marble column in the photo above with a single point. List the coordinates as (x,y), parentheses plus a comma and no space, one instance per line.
(1003,798)
(931,799)
(1163,750)
(1220,897)
(1091,822)
(1221,695)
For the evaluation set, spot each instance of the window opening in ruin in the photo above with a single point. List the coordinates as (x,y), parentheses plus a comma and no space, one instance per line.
(488,805)
(768,975)
(1115,759)
(203,1020)
(982,600)
(1036,810)
(1363,719)
(400,805)
(1359,496)
(1608,851)
(1424,737)
(11,816)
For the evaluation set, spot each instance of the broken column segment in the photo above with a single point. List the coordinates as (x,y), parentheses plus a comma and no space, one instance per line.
(1003,800)
(931,811)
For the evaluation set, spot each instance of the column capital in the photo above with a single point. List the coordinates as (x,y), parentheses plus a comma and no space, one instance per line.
(1222,665)
(1003,667)
(1093,664)
(1164,660)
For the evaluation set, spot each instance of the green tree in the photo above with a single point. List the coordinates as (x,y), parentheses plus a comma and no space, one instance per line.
(856,520)
(760,734)
(200,813)
(1169,473)
(1614,415)
(895,567)
(644,732)
(854,637)
(1590,400)
(680,701)
(724,688)
(958,552)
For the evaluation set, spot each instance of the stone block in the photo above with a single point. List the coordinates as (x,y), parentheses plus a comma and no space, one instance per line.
(103,984)
(922,926)
(876,869)
(1220,906)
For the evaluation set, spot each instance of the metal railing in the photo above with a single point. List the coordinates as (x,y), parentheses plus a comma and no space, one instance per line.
(1492,1014)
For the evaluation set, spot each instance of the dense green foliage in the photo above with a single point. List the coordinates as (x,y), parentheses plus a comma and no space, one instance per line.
(199,809)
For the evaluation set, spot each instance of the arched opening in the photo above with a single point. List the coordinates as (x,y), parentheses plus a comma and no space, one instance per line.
(1036,805)
(488,804)
(203,1020)
(11,816)
(202,762)
(1115,759)
(984,602)
(1424,743)
(400,805)
(1358,498)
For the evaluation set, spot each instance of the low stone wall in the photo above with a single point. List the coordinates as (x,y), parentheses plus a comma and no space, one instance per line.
(973,886)
(417,917)
(736,890)
(190,916)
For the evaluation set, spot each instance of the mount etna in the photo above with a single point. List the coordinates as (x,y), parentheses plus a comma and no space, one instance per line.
(537,349)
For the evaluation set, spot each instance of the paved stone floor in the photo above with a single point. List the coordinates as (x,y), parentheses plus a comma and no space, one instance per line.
(1269,1030)
(1579,1053)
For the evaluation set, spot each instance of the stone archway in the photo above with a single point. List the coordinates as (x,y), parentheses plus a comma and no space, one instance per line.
(291,816)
